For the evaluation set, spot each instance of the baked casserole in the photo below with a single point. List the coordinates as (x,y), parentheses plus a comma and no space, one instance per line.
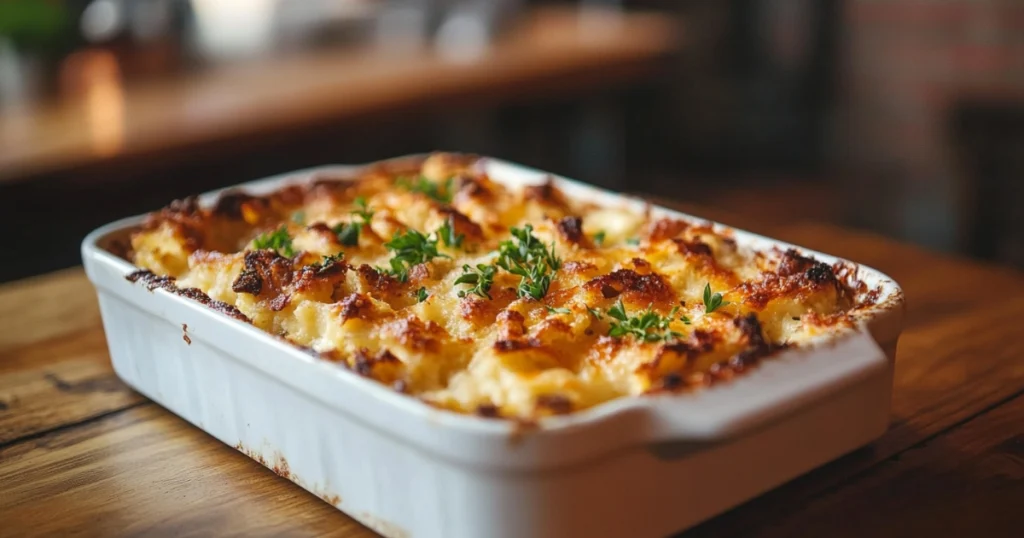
(488,299)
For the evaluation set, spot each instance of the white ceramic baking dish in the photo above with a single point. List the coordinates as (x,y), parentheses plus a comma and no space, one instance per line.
(632,467)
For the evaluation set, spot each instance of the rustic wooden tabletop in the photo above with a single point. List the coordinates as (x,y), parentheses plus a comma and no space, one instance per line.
(82,453)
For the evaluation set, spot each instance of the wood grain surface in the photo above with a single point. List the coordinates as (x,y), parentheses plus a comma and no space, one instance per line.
(967,483)
(80,452)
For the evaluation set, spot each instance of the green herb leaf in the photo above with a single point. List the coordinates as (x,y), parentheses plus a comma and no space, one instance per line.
(441,193)
(618,311)
(599,238)
(278,240)
(328,261)
(421,295)
(526,256)
(647,326)
(447,234)
(348,232)
(362,211)
(481,278)
(554,310)
(299,217)
(595,312)
(712,302)
(685,320)
(635,241)
(411,249)
(333,258)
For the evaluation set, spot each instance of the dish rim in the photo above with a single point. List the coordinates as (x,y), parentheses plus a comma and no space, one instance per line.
(881,322)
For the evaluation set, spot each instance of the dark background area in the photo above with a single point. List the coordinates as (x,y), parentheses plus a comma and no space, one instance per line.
(903,118)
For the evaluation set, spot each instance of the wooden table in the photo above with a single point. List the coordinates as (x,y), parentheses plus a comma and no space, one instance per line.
(79,451)
(110,125)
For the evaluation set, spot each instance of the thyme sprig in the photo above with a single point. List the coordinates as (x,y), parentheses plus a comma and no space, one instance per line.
(526,256)
(348,232)
(447,234)
(411,248)
(714,301)
(646,326)
(278,240)
(481,278)
(442,192)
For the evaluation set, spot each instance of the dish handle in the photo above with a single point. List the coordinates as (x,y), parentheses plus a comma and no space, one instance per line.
(794,381)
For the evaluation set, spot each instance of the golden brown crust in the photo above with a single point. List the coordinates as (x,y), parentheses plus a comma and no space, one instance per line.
(383,366)
(324,284)
(555,404)
(571,230)
(416,334)
(635,288)
(545,193)
(663,229)
(354,306)
(471,231)
(265,274)
(330,273)
(153,282)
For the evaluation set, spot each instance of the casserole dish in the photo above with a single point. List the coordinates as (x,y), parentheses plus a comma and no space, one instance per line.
(636,466)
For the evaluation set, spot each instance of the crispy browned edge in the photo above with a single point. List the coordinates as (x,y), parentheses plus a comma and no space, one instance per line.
(843,274)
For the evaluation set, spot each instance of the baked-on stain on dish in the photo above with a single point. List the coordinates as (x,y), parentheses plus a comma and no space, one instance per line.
(279,465)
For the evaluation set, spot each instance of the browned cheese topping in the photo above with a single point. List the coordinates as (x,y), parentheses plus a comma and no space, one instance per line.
(471,295)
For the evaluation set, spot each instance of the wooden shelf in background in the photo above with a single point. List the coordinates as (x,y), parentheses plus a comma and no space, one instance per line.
(551,50)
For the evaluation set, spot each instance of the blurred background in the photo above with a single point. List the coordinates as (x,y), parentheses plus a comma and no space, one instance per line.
(900,117)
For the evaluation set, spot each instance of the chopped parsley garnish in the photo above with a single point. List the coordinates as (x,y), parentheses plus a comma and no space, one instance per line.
(278,240)
(441,192)
(685,320)
(595,312)
(523,255)
(328,261)
(348,232)
(599,238)
(421,295)
(362,210)
(481,278)
(526,256)
(647,326)
(299,217)
(635,241)
(554,310)
(447,234)
(712,301)
(411,248)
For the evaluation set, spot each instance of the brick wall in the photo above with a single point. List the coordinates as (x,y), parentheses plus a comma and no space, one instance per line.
(907,64)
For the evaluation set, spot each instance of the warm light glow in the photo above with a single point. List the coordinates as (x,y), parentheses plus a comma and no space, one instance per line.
(228,28)
(96,77)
